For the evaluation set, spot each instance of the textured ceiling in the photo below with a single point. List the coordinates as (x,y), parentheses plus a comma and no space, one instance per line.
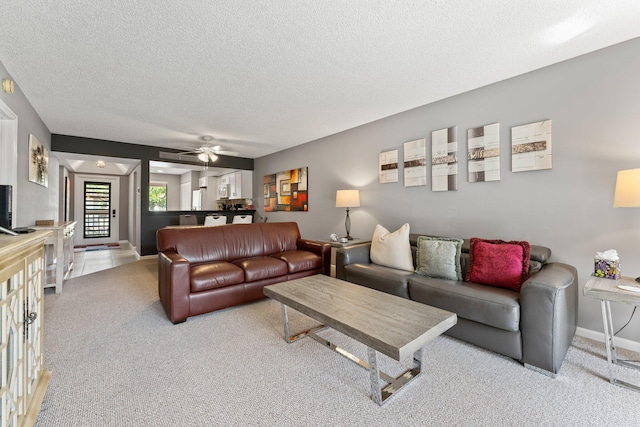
(261,76)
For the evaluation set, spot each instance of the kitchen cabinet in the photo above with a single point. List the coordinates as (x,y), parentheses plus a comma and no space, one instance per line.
(240,185)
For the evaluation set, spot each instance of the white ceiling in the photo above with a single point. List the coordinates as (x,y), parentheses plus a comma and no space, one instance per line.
(261,76)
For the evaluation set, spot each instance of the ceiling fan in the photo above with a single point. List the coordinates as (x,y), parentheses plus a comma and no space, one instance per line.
(209,153)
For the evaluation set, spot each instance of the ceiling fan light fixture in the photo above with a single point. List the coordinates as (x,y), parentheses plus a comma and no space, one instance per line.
(213,157)
(203,157)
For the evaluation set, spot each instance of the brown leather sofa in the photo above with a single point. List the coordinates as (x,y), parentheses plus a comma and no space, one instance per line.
(202,269)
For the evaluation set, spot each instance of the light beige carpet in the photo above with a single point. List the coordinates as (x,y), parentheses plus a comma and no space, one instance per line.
(117,361)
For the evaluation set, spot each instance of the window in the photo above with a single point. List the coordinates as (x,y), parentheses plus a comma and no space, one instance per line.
(157,196)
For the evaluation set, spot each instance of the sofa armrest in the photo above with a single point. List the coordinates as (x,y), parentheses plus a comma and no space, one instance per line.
(356,254)
(174,285)
(549,312)
(322,249)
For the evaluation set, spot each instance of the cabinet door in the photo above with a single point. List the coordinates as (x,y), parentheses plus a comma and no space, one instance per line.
(234,192)
(12,403)
(34,304)
(247,184)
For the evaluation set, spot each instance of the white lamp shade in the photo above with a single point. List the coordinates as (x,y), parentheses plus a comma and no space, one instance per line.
(627,193)
(347,199)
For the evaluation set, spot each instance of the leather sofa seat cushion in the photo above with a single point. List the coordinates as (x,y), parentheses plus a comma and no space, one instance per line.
(380,278)
(215,275)
(263,267)
(497,307)
(299,260)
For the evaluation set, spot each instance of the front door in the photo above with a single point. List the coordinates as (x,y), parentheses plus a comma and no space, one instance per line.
(97,209)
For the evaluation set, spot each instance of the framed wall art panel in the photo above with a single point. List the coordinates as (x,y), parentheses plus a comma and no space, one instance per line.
(531,147)
(38,162)
(286,191)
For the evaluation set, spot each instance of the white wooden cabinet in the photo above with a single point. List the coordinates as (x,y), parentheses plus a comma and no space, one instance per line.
(23,379)
(240,185)
(246,178)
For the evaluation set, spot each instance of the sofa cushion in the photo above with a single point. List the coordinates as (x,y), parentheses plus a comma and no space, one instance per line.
(380,278)
(492,306)
(215,275)
(299,260)
(263,267)
(498,263)
(392,249)
(439,257)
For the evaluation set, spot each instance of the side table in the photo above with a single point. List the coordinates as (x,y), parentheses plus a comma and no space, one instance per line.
(59,255)
(607,290)
(336,245)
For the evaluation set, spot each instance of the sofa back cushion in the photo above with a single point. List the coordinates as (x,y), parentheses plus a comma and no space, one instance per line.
(228,242)
(439,257)
(499,263)
(538,256)
(392,249)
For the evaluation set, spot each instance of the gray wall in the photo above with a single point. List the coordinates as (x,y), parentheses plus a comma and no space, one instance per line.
(594,103)
(33,201)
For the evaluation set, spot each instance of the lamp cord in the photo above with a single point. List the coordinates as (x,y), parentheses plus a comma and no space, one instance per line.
(625,325)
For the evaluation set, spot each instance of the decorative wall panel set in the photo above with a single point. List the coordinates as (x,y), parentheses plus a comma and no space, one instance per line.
(531,149)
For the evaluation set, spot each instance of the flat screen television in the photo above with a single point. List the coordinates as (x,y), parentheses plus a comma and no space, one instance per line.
(5,206)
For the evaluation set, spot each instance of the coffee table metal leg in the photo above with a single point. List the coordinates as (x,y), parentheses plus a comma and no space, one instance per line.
(291,338)
(380,395)
(374,375)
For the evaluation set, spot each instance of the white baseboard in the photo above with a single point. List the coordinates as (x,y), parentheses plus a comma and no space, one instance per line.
(599,336)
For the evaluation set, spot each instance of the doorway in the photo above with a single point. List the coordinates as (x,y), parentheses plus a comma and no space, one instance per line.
(9,150)
(97,209)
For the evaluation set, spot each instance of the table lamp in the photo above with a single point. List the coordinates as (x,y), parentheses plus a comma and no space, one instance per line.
(627,193)
(348,199)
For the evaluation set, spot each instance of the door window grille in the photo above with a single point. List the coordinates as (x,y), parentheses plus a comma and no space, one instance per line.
(97,207)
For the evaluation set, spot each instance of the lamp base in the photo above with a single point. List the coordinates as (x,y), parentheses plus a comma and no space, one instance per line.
(351,238)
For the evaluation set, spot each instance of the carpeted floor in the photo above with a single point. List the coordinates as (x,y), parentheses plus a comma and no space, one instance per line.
(117,361)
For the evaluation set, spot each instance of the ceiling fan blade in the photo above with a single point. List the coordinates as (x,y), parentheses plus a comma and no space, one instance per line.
(227,153)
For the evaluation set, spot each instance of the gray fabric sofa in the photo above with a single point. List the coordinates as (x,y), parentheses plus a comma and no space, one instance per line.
(534,326)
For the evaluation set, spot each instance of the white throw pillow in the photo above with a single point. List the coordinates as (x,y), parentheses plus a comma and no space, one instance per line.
(392,249)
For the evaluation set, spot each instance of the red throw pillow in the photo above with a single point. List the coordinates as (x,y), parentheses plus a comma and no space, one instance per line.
(498,263)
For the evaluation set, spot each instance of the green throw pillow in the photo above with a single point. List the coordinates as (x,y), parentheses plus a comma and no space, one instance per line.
(439,257)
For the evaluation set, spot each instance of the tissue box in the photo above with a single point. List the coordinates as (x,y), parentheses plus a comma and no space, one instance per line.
(607,269)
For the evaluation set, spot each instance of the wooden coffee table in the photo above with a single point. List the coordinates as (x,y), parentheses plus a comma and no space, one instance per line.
(391,325)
